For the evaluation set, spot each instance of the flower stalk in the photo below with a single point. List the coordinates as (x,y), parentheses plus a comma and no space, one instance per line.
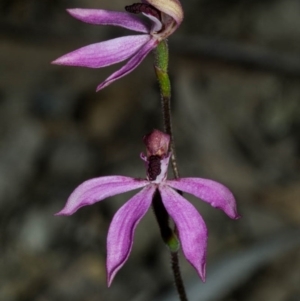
(161,70)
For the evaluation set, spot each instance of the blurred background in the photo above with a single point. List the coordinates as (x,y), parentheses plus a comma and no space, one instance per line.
(235,70)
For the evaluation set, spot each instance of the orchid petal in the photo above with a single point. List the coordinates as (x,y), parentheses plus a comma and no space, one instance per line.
(104,53)
(191,227)
(214,193)
(95,190)
(121,230)
(130,65)
(106,17)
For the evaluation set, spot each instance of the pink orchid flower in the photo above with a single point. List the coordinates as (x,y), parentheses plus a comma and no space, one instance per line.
(191,227)
(164,15)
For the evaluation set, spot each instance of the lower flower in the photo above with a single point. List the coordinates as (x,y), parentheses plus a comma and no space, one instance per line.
(191,227)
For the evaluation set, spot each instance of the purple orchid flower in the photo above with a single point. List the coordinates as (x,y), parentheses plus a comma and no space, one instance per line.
(191,227)
(164,15)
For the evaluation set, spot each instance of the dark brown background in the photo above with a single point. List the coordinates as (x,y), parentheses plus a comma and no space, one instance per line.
(235,71)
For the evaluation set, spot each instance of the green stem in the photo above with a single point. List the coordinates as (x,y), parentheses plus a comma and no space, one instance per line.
(161,69)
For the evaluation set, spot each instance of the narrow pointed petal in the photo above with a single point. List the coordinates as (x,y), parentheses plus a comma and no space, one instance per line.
(191,227)
(105,53)
(214,193)
(95,190)
(106,17)
(121,230)
(130,65)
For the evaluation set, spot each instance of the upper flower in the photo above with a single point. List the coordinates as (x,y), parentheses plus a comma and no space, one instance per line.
(191,227)
(164,15)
